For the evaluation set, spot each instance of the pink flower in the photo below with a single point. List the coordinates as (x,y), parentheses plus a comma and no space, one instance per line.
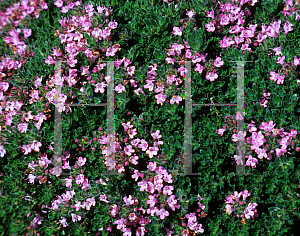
(182,70)
(26,149)
(160,89)
(81,161)
(68,182)
(168,190)
(280,151)
(58,3)
(137,174)
(224,19)
(71,62)
(296,61)
(276,77)
(149,85)
(128,201)
(172,202)
(236,196)
(128,150)
(50,61)
(107,79)
(258,139)
(36,146)
(143,185)
(151,166)
(218,62)
(135,142)
(68,195)
(176,99)
(31,178)
(104,199)
(4,86)
(239,116)
(287,27)
(293,133)
(261,152)
(191,13)
(156,135)
(131,70)
(251,161)
(133,159)
(268,127)
(114,209)
(277,51)
(210,27)
(63,221)
(121,224)
(137,92)
(133,83)
(127,125)
(248,213)
(75,217)
(143,145)
(100,87)
(57,170)
(221,131)
(66,165)
(100,9)
(280,60)
(79,179)
(162,213)
(22,127)
(168,178)
(120,88)
(132,133)
(245,194)
(199,68)
(210,14)
(211,76)
(113,24)
(160,98)
(177,31)
(27,33)
(151,202)
(44,161)
(152,151)
(89,8)
(226,42)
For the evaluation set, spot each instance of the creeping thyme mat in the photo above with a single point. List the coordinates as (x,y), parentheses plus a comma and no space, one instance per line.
(85,81)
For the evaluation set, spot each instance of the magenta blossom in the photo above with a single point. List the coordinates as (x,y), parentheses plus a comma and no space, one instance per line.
(22,127)
(160,98)
(81,161)
(177,31)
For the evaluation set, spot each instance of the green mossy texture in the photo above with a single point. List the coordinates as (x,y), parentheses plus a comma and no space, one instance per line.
(144,33)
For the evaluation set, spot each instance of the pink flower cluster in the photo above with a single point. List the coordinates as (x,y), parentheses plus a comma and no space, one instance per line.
(229,13)
(154,183)
(131,216)
(130,149)
(65,9)
(159,180)
(72,35)
(17,13)
(286,67)
(258,139)
(265,99)
(233,203)
(195,58)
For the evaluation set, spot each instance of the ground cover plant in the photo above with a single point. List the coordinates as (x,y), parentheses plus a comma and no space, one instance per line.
(58,53)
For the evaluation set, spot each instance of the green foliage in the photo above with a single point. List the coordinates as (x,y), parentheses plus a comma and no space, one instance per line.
(145,33)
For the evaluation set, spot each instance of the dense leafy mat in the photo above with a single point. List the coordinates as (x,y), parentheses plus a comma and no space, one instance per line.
(150,193)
